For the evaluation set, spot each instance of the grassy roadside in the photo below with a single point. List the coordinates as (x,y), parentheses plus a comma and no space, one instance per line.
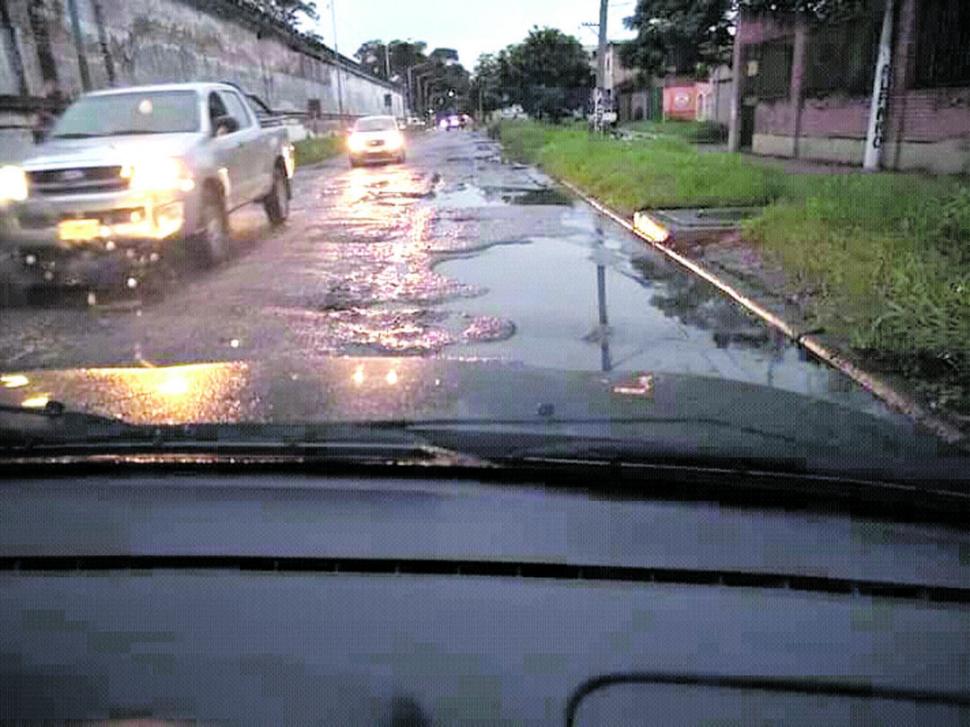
(884,259)
(318,149)
(635,175)
(697,132)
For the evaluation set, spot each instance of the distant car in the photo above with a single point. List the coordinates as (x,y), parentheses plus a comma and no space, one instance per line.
(452,122)
(415,122)
(376,139)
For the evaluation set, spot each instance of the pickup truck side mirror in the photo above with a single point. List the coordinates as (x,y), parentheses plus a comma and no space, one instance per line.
(225,125)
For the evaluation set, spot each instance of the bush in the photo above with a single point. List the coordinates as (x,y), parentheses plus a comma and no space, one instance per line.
(317,149)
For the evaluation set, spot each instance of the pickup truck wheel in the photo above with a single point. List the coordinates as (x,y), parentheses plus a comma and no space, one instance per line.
(277,202)
(210,243)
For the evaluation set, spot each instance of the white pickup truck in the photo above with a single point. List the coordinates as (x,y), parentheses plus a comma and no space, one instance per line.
(138,171)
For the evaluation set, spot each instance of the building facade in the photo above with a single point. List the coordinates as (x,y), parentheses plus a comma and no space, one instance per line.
(806,91)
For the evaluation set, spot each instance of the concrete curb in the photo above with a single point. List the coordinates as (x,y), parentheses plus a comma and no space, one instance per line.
(653,232)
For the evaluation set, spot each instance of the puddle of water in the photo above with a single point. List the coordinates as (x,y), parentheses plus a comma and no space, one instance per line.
(465,196)
(657,319)
(470,196)
(548,196)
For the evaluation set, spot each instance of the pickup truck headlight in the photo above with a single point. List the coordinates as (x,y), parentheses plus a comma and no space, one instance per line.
(13,184)
(159,175)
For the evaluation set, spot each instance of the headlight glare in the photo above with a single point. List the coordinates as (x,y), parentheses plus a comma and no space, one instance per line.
(167,174)
(355,143)
(13,184)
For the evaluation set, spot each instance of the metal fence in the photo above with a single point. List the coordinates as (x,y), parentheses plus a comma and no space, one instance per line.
(943,43)
(768,68)
(842,58)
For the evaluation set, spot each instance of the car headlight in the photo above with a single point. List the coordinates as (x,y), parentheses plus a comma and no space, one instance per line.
(167,174)
(13,184)
(355,143)
(394,142)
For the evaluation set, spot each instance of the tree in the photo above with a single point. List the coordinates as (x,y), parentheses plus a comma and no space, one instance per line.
(679,36)
(487,83)
(290,12)
(548,74)
(448,87)
(404,54)
(444,55)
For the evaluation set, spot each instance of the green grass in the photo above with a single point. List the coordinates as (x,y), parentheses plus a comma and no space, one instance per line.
(692,131)
(629,176)
(885,258)
(318,149)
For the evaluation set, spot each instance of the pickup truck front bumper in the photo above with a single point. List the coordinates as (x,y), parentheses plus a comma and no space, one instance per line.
(95,240)
(102,221)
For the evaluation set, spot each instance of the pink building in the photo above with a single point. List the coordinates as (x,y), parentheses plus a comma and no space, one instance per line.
(680,100)
(806,91)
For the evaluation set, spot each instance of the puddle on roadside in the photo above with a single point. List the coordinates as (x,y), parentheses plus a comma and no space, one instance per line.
(470,196)
(548,196)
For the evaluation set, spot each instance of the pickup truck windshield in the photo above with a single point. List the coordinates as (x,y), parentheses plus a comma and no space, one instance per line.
(166,112)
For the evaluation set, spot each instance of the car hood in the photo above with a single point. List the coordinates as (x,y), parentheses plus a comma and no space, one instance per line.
(107,151)
(663,412)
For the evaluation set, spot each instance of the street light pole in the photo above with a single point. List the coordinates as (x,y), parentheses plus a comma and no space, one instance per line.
(601,64)
(336,52)
(876,132)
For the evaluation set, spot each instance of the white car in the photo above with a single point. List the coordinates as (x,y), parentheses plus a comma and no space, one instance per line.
(376,139)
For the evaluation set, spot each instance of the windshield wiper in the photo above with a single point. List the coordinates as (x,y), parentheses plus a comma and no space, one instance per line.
(75,135)
(54,430)
(54,422)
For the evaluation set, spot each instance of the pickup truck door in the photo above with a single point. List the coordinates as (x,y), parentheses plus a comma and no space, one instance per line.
(228,153)
(254,147)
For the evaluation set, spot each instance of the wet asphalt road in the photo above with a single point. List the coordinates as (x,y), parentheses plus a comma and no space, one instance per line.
(454,254)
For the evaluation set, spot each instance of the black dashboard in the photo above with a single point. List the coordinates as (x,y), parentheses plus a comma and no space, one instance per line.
(346,599)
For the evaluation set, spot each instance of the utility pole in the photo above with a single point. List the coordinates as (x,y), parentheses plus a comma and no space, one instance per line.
(387,61)
(876,134)
(336,53)
(601,64)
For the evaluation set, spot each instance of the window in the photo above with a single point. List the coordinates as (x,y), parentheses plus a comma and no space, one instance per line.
(943,43)
(115,114)
(842,58)
(313,108)
(769,69)
(217,109)
(237,109)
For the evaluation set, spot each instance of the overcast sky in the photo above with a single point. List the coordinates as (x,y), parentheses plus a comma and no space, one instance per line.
(471,26)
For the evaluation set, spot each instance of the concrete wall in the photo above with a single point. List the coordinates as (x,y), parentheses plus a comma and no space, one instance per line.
(127,42)
(929,129)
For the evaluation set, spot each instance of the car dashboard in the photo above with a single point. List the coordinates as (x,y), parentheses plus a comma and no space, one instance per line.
(427,599)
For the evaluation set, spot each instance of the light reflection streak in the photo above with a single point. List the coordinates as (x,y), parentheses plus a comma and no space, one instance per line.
(209,392)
